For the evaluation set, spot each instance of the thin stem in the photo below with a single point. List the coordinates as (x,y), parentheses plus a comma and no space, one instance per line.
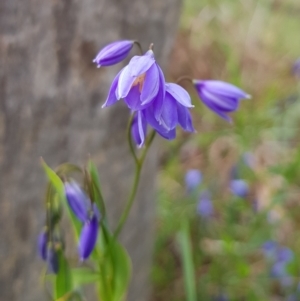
(138,168)
(131,146)
(184,77)
(138,44)
(129,201)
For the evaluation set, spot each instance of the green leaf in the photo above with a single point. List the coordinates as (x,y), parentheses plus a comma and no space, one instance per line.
(58,186)
(115,268)
(183,238)
(63,283)
(96,188)
(83,276)
(122,271)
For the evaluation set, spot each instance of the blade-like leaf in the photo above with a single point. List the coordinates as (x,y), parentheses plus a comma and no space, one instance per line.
(183,238)
(63,282)
(83,276)
(96,188)
(122,271)
(58,186)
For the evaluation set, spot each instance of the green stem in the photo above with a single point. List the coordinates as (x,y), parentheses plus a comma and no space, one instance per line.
(131,146)
(138,168)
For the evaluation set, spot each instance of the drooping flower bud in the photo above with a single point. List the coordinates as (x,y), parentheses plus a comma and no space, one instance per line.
(88,238)
(43,244)
(77,200)
(52,259)
(220,97)
(113,53)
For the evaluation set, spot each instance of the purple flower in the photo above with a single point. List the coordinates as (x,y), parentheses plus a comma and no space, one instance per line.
(141,83)
(77,200)
(139,128)
(88,238)
(193,179)
(205,207)
(52,259)
(174,111)
(270,249)
(285,254)
(175,108)
(296,68)
(239,188)
(42,244)
(113,53)
(219,96)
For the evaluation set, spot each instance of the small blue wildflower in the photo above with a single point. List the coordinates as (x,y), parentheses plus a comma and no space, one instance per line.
(239,188)
(220,97)
(43,244)
(113,53)
(270,249)
(296,68)
(174,112)
(249,159)
(176,108)
(77,200)
(141,83)
(88,238)
(285,254)
(205,207)
(193,179)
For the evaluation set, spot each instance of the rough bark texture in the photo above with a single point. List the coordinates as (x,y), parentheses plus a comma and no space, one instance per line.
(50,106)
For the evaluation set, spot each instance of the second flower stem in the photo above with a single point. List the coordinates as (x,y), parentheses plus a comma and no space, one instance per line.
(139,162)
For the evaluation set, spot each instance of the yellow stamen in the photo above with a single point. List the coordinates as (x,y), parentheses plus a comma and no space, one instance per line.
(139,81)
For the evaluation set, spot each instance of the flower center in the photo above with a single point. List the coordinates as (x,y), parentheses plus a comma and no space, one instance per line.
(139,81)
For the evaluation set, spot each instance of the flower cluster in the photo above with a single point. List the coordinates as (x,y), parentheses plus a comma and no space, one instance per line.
(88,214)
(279,257)
(193,180)
(163,106)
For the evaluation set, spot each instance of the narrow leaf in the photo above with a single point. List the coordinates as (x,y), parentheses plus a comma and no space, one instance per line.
(63,283)
(187,261)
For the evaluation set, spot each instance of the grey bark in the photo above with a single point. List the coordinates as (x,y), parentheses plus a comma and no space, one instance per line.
(50,106)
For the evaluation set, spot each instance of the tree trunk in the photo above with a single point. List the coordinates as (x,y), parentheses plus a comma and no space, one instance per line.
(50,106)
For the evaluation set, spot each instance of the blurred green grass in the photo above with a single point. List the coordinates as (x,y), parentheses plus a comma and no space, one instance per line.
(253,45)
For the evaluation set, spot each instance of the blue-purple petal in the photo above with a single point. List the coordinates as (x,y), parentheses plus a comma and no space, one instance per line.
(151,85)
(180,94)
(42,244)
(215,109)
(113,53)
(133,99)
(158,102)
(169,116)
(88,238)
(223,89)
(77,200)
(125,83)
(225,104)
(112,98)
(139,128)
(138,65)
(184,118)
